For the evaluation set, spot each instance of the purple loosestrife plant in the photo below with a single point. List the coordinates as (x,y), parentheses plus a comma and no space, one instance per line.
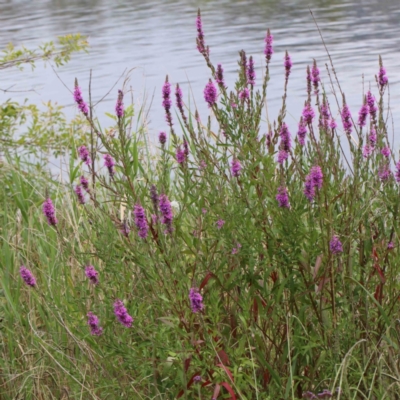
(85,183)
(49,212)
(79,194)
(94,324)
(84,155)
(308,113)
(196,300)
(166,213)
(282,197)
(92,274)
(397,173)
(109,163)
(122,314)
(236,168)
(372,138)
(302,132)
(325,115)
(268,50)
(309,81)
(119,107)
(141,221)
(346,119)
(201,47)
(27,276)
(285,144)
(315,76)
(244,94)
(382,78)
(363,114)
(288,65)
(335,245)
(166,103)
(219,76)
(79,99)
(162,138)
(154,197)
(371,105)
(180,155)
(390,246)
(313,180)
(384,173)
(385,152)
(367,151)
(210,93)
(251,73)
(220,223)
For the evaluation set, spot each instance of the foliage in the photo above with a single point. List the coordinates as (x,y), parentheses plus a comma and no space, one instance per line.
(299,293)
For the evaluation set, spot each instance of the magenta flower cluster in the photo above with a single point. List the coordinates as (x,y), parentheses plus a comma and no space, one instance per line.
(84,155)
(346,119)
(93,322)
(335,245)
(251,73)
(49,212)
(92,274)
(166,212)
(27,276)
(119,107)
(122,314)
(79,194)
(79,100)
(282,197)
(210,93)
(196,300)
(285,144)
(268,51)
(109,163)
(141,221)
(313,181)
(236,168)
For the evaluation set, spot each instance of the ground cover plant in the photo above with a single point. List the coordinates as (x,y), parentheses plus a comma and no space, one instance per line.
(228,263)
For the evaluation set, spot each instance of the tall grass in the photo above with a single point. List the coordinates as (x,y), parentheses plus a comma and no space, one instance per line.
(254,266)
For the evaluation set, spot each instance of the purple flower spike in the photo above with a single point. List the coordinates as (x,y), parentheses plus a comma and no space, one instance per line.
(162,138)
(325,115)
(180,155)
(210,93)
(154,197)
(371,105)
(335,245)
(384,173)
(219,76)
(372,138)
(397,173)
(390,246)
(166,93)
(288,65)
(79,99)
(196,300)
(308,113)
(251,73)
(79,194)
(197,378)
(236,168)
(244,94)
(141,221)
(282,197)
(220,223)
(93,322)
(268,51)
(362,115)
(382,78)
(313,180)
(84,155)
(166,212)
(109,163)
(49,212)
(200,36)
(285,144)
(85,183)
(92,274)
(346,119)
(122,314)
(309,81)
(385,152)
(315,76)
(119,107)
(367,151)
(27,276)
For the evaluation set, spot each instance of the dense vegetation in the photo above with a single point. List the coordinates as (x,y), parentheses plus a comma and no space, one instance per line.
(224,262)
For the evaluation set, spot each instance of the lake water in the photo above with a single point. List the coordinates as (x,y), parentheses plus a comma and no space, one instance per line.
(158,38)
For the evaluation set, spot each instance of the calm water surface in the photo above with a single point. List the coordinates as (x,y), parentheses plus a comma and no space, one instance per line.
(158,38)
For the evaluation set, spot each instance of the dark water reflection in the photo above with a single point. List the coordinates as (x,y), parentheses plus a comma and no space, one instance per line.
(158,38)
